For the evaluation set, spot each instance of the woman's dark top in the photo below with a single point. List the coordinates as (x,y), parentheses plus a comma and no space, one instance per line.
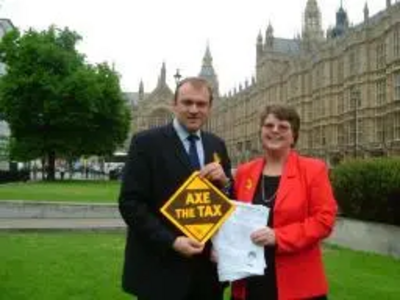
(265,287)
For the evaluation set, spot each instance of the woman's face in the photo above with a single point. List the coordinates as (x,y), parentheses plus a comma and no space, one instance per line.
(276,135)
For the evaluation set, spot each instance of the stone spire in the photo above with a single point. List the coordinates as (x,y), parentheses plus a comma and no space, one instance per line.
(366,12)
(259,45)
(141,91)
(207,59)
(312,28)
(269,37)
(259,38)
(342,22)
(141,87)
(207,71)
(163,75)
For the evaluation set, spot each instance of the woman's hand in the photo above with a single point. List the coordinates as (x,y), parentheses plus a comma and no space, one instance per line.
(213,256)
(264,237)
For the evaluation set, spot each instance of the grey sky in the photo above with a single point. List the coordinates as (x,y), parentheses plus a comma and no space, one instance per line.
(138,35)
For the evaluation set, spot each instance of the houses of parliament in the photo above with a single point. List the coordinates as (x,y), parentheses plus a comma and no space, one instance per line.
(344,83)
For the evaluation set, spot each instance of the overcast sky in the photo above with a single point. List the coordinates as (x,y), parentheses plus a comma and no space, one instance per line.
(138,35)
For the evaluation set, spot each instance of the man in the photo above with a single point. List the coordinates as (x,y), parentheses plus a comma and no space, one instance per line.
(160,262)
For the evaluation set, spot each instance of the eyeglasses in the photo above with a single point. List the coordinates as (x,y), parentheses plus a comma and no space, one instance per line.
(281,127)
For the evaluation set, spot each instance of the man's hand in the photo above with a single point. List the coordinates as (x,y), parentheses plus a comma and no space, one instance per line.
(215,173)
(264,237)
(187,247)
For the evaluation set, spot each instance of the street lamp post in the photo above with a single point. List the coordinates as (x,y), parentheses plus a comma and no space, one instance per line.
(177,77)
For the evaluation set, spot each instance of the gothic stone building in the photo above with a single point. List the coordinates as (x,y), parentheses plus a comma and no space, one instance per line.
(344,84)
(154,109)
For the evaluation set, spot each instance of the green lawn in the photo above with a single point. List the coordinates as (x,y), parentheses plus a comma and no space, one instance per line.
(359,275)
(63,266)
(83,191)
(44,266)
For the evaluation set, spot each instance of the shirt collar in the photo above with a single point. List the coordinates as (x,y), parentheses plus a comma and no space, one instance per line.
(182,132)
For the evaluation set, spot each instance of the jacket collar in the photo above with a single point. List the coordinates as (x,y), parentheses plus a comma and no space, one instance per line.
(178,148)
(286,183)
(180,151)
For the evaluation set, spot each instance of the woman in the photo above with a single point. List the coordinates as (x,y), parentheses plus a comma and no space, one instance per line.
(302,212)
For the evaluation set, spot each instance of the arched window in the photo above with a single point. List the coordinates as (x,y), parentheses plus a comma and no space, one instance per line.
(159,117)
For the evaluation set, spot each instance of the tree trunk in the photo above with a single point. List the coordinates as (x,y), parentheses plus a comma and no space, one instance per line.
(70,168)
(44,168)
(51,160)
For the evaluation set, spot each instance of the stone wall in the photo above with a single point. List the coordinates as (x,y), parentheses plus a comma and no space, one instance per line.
(367,236)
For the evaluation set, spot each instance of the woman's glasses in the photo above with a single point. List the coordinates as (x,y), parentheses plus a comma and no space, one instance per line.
(280,127)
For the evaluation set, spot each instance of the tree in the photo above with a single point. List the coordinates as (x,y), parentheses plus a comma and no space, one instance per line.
(56,104)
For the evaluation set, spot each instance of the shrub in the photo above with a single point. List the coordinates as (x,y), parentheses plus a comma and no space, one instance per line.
(13,175)
(369,189)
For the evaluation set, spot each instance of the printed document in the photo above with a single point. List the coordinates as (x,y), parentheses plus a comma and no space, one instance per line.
(238,257)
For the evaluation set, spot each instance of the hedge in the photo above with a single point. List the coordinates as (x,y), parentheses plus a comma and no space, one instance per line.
(369,189)
(11,176)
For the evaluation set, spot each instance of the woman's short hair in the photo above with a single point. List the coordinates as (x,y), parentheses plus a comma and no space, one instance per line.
(283,113)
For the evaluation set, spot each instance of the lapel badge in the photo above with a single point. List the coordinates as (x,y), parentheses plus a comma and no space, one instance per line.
(249,184)
(216,158)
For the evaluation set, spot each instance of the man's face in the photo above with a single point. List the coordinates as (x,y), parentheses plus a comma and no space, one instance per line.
(192,106)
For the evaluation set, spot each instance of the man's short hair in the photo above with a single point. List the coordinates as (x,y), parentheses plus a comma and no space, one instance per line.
(196,82)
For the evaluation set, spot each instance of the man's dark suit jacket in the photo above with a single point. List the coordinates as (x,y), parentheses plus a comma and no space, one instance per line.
(157,166)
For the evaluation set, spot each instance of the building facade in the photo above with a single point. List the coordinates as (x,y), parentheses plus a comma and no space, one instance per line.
(154,109)
(345,84)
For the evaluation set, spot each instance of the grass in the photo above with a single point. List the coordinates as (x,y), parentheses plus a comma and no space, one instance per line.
(62,266)
(82,191)
(69,266)
(359,275)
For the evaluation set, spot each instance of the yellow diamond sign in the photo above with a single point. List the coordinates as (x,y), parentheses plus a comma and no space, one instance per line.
(198,208)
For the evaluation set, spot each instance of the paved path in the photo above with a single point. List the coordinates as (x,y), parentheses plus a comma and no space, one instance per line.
(19,209)
(41,215)
(59,216)
(61,224)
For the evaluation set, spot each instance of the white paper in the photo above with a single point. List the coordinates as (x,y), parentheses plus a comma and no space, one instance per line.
(238,257)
